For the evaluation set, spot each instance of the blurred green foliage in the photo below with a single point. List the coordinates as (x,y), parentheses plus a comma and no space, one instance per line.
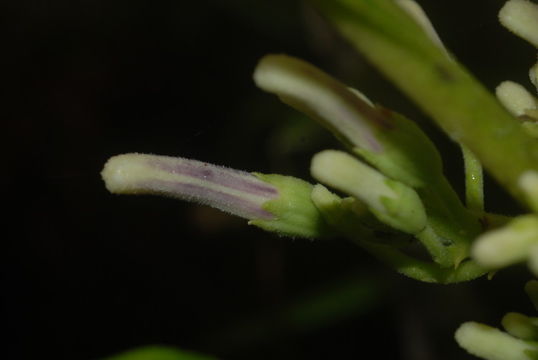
(158,353)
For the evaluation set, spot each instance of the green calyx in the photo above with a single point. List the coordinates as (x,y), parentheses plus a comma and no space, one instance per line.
(295,214)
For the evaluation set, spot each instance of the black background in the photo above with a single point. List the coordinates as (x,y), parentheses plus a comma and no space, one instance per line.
(86,274)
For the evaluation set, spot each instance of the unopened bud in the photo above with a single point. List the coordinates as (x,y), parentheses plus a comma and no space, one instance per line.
(323,98)
(507,245)
(515,98)
(275,203)
(489,343)
(521,17)
(528,183)
(387,140)
(392,202)
(520,326)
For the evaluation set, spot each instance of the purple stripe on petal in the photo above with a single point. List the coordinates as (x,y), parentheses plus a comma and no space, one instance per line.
(230,178)
(233,204)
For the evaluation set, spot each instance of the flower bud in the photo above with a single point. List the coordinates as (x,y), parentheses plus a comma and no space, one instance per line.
(507,245)
(489,343)
(528,183)
(275,203)
(392,202)
(521,17)
(387,140)
(515,98)
(520,326)
(308,89)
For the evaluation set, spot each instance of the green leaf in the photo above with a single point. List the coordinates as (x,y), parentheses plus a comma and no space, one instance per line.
(158,353)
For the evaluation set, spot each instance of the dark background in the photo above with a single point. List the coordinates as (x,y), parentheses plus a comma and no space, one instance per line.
(86,274)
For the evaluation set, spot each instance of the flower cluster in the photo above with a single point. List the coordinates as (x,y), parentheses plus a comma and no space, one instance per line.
(392,177)
(390,174)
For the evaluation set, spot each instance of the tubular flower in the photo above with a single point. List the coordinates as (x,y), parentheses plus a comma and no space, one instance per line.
(274,202)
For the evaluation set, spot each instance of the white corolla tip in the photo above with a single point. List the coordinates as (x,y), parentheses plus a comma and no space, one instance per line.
(533,75)
(413,9)
(533,259)
(507,245)
(515,98)
(121,173)
(528,183)
(344,111)
(490,343)
(521,17)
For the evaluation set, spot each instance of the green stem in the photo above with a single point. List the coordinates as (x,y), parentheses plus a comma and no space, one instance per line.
(435,247)
(421,270)
(474,181)
(452,226)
